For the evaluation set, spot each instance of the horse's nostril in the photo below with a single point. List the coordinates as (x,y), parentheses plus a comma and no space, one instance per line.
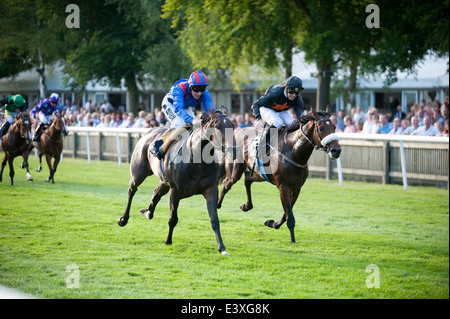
(336,152)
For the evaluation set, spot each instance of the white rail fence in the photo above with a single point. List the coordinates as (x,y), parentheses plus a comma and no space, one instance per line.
(413,160)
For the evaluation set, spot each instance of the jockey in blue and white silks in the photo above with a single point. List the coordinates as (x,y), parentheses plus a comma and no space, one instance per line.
(183,96)
(178,106)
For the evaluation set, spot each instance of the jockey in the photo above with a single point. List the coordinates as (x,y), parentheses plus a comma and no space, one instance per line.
(177,106)
(12,103)
(273,107)
(46,108)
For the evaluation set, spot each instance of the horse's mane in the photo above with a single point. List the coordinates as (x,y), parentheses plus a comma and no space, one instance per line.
(306,117)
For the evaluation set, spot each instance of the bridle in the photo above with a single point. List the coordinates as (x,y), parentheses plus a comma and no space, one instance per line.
(324,141)
(209,125)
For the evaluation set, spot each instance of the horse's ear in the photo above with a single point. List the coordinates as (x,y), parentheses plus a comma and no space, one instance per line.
(314,113)
(211,112)
(224,110)
(328,110)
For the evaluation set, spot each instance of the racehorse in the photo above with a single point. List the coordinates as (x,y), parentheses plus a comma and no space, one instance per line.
(17,142)
(288,161)
(50,144)
(191,166)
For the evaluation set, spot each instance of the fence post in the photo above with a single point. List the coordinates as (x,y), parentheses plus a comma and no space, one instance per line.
(119,155)
(386,168)
(403,163)
(339,167)
(88,147)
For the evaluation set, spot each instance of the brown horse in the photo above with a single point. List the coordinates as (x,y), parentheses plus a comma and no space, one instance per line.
(191,166)
(287,164)
(17,142)
(50,144)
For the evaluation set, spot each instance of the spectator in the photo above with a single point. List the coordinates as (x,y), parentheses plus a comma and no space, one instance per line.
(397,128)
(427,129)
(393,103)
(445,131)
(349,127)
(130,119)
(340,120)
(359,126)
(399,113)
(414,126)
(240,122)
(106,120)
(140,122)
(405,124)
(125,121)
(334,121)
(106,107)
(88,106)
(95,119)
(385,127)
(444,113)
(370,127)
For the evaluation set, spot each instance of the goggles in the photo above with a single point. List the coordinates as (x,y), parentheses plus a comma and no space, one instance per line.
(294,90)
(198,88)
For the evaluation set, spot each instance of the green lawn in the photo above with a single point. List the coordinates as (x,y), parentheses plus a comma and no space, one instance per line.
(340,231)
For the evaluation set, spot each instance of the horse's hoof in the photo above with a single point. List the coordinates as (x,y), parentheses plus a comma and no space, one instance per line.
(29,177)
(224,253)
(269,223)
(122,222)
(38,169)
(146,213)
(245,208)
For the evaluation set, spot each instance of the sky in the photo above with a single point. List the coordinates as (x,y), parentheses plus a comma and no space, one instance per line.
(431,67)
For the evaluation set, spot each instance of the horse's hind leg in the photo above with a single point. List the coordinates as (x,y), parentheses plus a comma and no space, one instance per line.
(159,192)
(25,165)
(173,219)
(229,181)
(48,158)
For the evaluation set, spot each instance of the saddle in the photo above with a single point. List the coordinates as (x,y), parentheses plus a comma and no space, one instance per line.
(161,145)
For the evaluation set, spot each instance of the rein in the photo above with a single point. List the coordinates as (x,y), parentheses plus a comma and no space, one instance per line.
(209,125)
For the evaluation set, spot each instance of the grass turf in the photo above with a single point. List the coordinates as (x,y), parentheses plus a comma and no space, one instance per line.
(340,231)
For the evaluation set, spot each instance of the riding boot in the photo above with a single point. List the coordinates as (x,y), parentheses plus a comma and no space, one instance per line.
(156,150)
(266,137)
(4,129)
(38,132)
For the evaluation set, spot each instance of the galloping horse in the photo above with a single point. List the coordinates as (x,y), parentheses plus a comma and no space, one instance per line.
(50,144)
(17,142)
(288,161)
(190,166)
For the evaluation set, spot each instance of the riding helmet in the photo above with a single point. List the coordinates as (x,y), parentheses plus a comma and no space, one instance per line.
(54,97)
(198,78)
(294,82)
(18,100)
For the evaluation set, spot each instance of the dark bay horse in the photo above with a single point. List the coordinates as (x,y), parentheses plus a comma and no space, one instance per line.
(287,166)
(17,142)
(50,144)
(191,166)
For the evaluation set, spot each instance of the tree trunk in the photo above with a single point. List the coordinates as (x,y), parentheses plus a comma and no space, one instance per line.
(323,86)
(41,71)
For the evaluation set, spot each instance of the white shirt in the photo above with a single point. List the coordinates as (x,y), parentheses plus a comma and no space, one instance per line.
(432,131)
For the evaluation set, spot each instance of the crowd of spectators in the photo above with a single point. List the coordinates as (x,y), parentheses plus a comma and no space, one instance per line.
(425,119)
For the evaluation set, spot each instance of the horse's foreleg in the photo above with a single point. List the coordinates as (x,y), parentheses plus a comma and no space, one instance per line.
(211,203)
(11,169)
(5,158)
(159,192)
(25,165)
(55,166)
(48,158)
(248,183)
(173,219)
(288,197)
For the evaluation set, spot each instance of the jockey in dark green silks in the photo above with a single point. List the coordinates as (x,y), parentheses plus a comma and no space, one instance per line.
(12,104)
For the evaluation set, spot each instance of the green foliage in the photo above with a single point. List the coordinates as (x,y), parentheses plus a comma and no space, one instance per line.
(340,231)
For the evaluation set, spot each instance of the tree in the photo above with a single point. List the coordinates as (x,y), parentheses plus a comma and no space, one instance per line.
(32,36)
(333,34)
(123,40)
